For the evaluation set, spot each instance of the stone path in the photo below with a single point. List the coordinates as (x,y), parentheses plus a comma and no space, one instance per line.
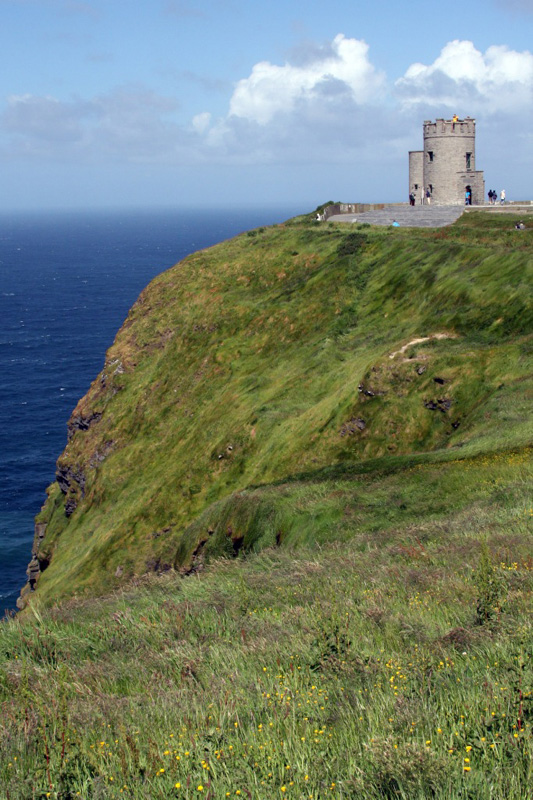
(408,216)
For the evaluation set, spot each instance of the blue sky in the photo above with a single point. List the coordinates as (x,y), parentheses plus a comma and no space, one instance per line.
(234,102)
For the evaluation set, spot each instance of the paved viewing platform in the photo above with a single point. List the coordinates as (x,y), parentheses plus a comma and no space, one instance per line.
(424,216)
(407,216)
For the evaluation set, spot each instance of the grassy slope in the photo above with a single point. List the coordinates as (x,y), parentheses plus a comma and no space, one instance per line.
(354,670)
(384,649)
(240,367)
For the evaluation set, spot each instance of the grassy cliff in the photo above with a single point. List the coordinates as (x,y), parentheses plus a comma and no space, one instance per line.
(288,554)
(258,370)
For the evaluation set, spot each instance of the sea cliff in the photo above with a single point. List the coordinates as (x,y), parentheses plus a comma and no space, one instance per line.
(288,550)
(274,358)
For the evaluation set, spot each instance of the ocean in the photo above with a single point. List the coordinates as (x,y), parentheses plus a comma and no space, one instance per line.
(67,281)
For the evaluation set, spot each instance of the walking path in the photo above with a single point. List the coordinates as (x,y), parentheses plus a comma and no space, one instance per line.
(408,216)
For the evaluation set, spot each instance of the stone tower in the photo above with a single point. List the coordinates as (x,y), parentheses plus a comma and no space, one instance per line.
(447,164)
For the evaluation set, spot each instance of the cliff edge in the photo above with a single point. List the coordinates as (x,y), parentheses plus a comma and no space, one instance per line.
(255,371)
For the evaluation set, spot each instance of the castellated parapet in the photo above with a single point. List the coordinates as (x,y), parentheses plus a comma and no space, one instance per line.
(447,164)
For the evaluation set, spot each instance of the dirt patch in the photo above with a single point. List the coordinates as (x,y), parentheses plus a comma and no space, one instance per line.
(421,340)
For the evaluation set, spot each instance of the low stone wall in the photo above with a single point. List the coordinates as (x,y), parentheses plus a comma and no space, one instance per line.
(508,208)
(335,209)
(355,208)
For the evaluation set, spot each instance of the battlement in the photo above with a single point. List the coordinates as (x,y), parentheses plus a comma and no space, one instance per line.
(450,127)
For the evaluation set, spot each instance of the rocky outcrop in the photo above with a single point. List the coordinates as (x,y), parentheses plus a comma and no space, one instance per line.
(78,422)
(441,404)
(37,565)
(355,425)
(71,481)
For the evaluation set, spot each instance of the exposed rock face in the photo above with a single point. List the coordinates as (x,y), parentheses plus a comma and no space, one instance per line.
(71,478)
(66,476)
(72,483)
(442,404)
(37,564)
(80,423)
(355,425)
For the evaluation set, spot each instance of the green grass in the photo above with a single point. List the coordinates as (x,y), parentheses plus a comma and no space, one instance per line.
(300,565)
(242,366)
(350,670)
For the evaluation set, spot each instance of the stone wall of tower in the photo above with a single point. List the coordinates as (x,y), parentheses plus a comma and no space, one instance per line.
(450,161)
(416,173)
(447,165)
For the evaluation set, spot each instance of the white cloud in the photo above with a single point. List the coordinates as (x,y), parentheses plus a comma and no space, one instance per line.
(130,123)
(201,122)
(44,118)
(134,122)
(272,89)
(327,105)
(499,80)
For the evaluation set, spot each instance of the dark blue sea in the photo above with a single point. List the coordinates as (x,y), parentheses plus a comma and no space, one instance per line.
(67,281)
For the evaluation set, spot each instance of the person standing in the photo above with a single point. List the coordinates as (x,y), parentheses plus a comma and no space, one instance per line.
(428,196)
(502,197)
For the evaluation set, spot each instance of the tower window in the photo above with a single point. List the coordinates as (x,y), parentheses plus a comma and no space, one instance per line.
(469,160)
(430,155)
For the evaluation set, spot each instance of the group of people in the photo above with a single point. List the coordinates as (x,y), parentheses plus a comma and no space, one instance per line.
(425,197)
(493,196)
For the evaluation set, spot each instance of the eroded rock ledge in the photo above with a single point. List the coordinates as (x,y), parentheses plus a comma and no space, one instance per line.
(37,564)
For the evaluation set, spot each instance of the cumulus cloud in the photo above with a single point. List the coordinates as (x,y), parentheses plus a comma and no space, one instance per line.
(318,104)
(492,82)
(343,67)
(327,104)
